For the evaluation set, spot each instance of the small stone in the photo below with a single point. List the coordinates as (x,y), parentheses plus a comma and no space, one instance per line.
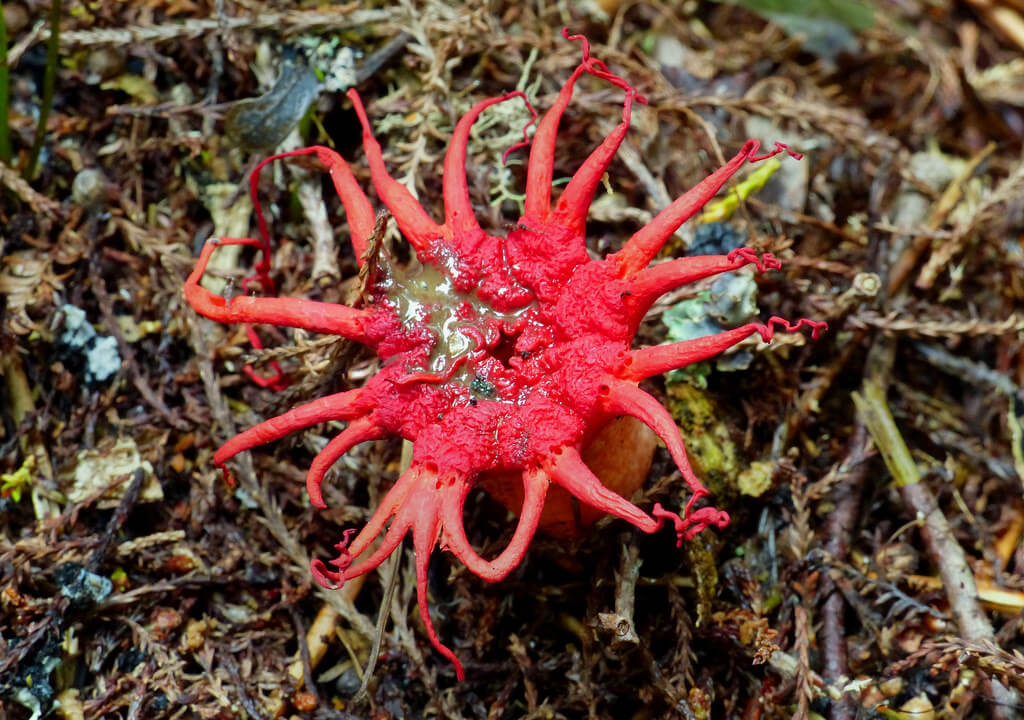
(89,188)
(101,357)
(102,64)
(15,18)
(348,683)
(80,586)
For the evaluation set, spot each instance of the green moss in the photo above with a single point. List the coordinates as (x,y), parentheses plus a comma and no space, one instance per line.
(702,560)
(710,447)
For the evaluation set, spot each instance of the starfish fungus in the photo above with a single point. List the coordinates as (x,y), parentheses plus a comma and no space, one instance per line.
(497,354)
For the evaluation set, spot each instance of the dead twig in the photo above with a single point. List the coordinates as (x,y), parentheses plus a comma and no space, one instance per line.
(619,624)
(13,181)
(342,17)
(892,322)
(838,529)
(943,548)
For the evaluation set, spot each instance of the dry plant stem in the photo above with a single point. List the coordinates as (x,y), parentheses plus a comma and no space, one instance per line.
(340,600)
(49,83)
(305,661)
(804,691)
(31,443)
(1006,20)
(341,17)
(975,373)
(391,584)
(838,529)
(1007,543)
(993,597)
(244,690)
(620,623)
(936,327)
(215,50)
(5,130)
(316,642)
(943,548)
(117,520)
(987,657)
(391,572)
(19,393)
(27,194)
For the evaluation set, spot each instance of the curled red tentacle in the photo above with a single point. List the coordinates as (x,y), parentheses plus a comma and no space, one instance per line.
(334,579)
(779,148)
(767,331)
(584,43)
(748,256)
(414,222)
(290,312)
(459,218)
(644,363)
(686,528)
(340,406)
(526,128)
(535,486)
(358,431)
(645,244)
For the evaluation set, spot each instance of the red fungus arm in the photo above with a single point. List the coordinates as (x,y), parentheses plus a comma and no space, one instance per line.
(566,468)
(535,486)
(574,202)
(340,406)
(647,241)
(413,504)
(358,431)
(458,210)
(358,210)
(424,538)
(541,166)
(648,362)
(414,222)
(656,280)
(628,399)
(290,312)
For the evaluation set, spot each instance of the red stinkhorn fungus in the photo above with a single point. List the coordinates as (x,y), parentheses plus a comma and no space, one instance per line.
(499,354)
